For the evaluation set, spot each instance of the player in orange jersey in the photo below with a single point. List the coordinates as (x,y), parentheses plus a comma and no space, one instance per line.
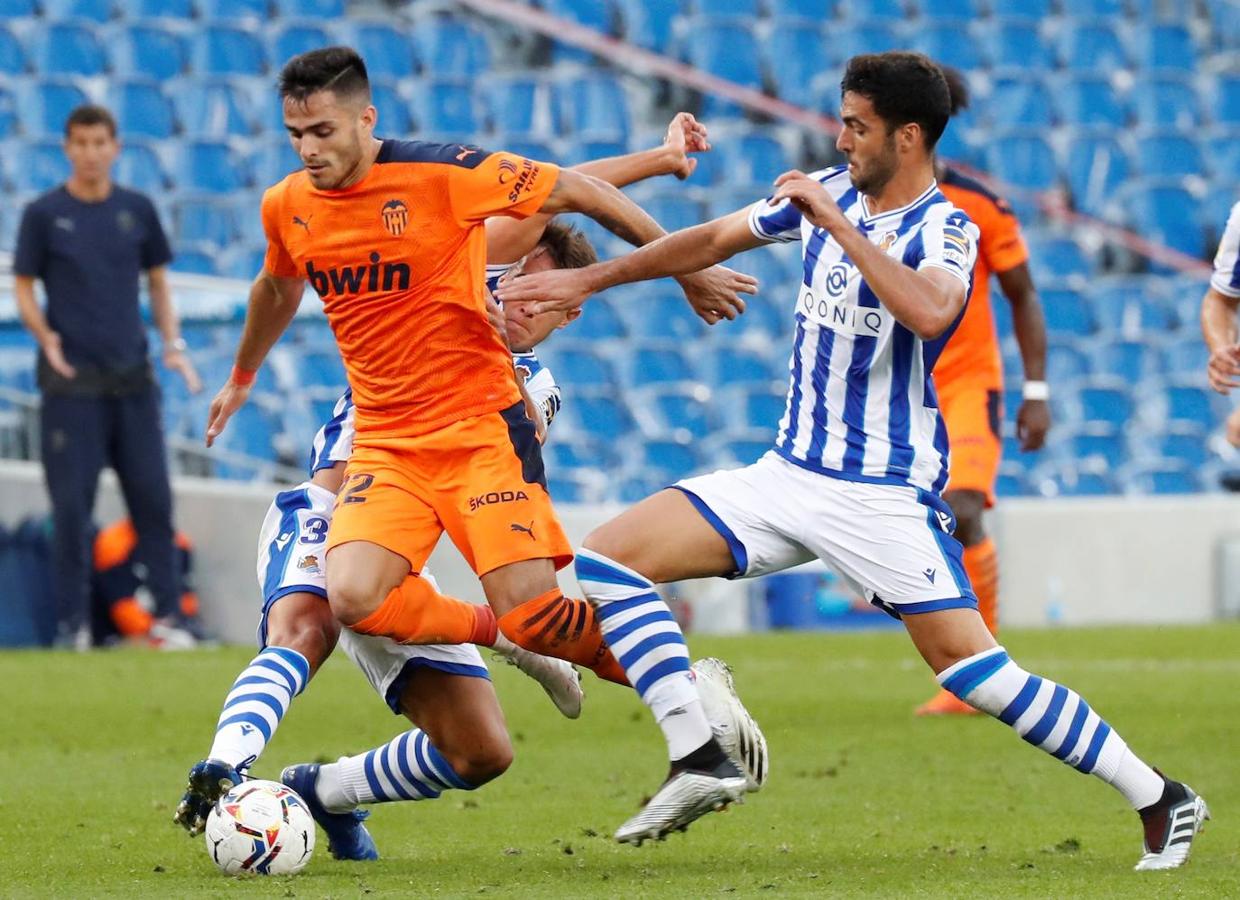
(390,235)
(969,381)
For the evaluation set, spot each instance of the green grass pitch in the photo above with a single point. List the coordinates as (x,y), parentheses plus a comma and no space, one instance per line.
(863,801)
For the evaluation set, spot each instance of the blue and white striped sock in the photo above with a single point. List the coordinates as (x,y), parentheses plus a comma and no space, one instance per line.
(407,767)
(1054,718)
(643,635)
(256,703)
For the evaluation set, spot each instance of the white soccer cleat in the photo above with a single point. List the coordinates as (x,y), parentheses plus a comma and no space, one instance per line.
(734,728)
(684,798)
(558,677)
(1170,828)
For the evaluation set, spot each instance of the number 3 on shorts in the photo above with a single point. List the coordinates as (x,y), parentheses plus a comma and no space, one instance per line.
(357,484)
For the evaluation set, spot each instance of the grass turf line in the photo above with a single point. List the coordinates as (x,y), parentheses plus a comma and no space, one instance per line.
(864,800)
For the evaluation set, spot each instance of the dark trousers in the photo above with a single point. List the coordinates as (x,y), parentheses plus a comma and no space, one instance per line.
(80,436)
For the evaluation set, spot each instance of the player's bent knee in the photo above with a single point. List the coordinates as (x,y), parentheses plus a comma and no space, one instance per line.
(353,599)
(968,507)
(482,762)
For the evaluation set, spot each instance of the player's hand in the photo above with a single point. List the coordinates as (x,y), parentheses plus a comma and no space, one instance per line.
(811,198)
(495,315)
(685,135)
(1233,428)
(177,361)
(554,290)
(1033,420)
(1223,369)
(714,293)
(232,397)
(54,353)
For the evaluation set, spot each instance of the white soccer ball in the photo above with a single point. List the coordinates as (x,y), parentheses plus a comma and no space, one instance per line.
(260,828)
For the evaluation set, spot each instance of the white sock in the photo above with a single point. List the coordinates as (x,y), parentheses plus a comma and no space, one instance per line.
(407,767)
(256,703)
(1054,718)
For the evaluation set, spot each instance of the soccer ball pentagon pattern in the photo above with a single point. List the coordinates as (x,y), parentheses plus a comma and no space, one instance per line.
(260,828)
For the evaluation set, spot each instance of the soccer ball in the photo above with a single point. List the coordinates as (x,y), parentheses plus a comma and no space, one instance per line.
(260,827)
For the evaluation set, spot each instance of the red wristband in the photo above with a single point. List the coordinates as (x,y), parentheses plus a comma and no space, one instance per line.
(243,377)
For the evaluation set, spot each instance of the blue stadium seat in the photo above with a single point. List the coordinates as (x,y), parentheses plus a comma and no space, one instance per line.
(659,311)
(1064,362)
(1090,100)
(1164,152)
(568,487)
(1019,98)
(762,408)
(450,47)
(194,260)
(171,9)
(42,165)
(1193,405)
(1036,9)
(1022,158)
(599,321)
(288,39)
(658,364)
(389,52)
(1223,151)
(1164,210)
(1169,477)
(1167,100)
(1074,480)
(594,14)
(876,9)
(1096,164)
(1226,106)
(204,220)
(1092,47)
(243,263)
(669,459)
(604,413)
(92,10)
(754,159)
(580,367)
(250,432)
(12,56)
(18,9)
(211,166)
(274,160)
(139,167)
(1166,45)
(673,210)
(519,103)
(685,411)
(950,9)
(234,9)
(1056,257)
(954,43)
(744,448)
(445,108)
(1133,361)
(1012,482)
(1067,313)
(213,108)
(68,48)
(735,366)
(147,49)
(8,114)
(1018,40)
(313,9)
(227,50)
(321,370)
(1097,441)
(594,107)
(141,109)
(864,36)
(578,152)
(794,54)
(1092,8)
(1122,305)
(648,23)
(395,118)
(728,49)
(1186,357)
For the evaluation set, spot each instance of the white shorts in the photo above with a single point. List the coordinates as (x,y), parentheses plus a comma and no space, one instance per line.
(291,561)
(893,543)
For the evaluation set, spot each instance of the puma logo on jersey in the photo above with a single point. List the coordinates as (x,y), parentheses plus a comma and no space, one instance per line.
(304,223)
(521,529)
(492,497)
(465,152)
(354,279)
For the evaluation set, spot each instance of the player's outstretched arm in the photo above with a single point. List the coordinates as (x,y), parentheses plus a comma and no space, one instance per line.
(273,302)
(1218,327)
(926,303)
(510,239)
(1033,419)
(678,254)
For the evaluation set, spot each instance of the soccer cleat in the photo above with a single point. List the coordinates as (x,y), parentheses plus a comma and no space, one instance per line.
(347,837)
(168,634)
(945,703)
(208,780)
(558,677)
(732,725)
(686,796)
(1170,826)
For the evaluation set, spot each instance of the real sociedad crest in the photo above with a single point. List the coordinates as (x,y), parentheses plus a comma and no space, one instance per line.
(395,217)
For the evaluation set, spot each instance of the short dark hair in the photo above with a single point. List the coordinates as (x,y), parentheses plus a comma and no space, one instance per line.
(568,245)
(90,114)
(957,87)
(340,70)
(904,87)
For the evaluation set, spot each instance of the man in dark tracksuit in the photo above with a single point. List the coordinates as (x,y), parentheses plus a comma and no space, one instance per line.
(88,241)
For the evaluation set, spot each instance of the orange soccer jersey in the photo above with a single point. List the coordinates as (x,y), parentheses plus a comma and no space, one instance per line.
(399,260)
(972,355)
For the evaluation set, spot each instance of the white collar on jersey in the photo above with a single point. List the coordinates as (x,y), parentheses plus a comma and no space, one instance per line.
(866,218)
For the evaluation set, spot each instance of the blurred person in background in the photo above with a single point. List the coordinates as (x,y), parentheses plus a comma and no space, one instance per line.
(969,381)
(89,241)
(1218,319)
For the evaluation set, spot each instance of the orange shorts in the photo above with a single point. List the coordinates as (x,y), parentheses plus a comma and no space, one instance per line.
(480,479)
(974,418)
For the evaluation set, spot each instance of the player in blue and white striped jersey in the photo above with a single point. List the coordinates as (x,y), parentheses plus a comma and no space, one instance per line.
(1218,318)
(855,476)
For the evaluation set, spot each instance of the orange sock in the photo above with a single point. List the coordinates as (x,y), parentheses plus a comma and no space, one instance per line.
(981,562)
(555,625)
(416,613)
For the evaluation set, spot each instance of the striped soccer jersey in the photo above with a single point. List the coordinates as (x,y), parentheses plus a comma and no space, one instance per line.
(861,405)
(1226,277)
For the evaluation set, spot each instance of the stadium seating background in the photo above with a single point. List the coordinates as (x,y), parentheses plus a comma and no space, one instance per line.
(1127,110)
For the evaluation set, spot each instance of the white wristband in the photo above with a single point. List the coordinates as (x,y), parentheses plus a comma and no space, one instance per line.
(1036,390)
